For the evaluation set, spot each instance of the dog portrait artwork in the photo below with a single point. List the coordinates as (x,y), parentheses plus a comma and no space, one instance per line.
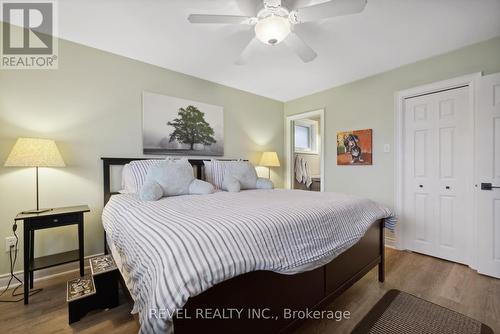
(354,147)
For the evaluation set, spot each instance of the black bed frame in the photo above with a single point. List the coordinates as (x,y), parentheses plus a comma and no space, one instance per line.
(265,295)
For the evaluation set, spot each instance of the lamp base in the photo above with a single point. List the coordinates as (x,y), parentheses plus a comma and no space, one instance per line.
(35,211)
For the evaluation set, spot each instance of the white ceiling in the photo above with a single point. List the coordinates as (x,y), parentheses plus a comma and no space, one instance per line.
(388,34)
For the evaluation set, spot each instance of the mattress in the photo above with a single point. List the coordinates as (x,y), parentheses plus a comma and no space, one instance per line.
(178,247)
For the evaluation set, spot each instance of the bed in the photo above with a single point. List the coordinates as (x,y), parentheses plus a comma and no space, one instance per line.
(234,262)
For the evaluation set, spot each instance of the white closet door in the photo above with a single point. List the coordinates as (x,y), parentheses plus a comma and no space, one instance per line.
(419,175)
(488,173)
(452,155)
(435,136)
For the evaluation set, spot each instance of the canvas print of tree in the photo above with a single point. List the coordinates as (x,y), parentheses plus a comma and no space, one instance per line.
(177,126)
(354,147)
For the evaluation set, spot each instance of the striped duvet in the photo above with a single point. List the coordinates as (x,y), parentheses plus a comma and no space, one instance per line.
(178,247)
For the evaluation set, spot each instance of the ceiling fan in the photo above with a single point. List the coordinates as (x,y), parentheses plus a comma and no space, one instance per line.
(274,22)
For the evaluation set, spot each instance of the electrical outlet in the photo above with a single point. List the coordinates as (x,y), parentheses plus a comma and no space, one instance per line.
(10,241)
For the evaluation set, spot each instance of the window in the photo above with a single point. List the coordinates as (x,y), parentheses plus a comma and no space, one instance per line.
(302,137)
(306,132)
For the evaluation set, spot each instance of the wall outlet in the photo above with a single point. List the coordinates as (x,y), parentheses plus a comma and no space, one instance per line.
(387,148)
(10,241)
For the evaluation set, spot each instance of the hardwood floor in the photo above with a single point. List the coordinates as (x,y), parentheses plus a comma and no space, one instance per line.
(448,284)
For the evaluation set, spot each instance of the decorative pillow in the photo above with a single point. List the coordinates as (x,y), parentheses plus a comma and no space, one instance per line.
(214,172)
(209,175)
(263,183)
(134,175)
(231,184)
(243,171)
(174,176)
(151,191)
(199,187)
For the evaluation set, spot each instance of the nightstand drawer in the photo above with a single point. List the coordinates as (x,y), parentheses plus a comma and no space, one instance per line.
(52,221)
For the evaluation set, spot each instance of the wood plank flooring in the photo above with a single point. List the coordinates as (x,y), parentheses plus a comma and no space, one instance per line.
(448,284)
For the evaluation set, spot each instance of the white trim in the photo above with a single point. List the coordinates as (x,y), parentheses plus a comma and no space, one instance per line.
(399,97)
(46,273)
(289,148)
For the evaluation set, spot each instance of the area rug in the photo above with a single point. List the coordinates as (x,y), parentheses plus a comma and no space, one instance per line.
(399,312)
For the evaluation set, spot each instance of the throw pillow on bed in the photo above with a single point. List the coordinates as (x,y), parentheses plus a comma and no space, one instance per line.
(199,187)
(134,174)
(151,191)
(174,177)
(234,176)
(263,183)
(231,184)
(243,171)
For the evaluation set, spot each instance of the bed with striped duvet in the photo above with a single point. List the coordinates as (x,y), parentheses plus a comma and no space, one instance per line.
(178,247)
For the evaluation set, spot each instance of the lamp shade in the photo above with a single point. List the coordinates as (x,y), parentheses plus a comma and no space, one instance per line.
(269,159)
(34,152)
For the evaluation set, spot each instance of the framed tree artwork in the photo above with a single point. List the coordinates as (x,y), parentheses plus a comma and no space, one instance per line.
(177,126)
(354,147)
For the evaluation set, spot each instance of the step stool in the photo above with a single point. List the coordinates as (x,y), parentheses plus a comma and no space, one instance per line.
(96,291)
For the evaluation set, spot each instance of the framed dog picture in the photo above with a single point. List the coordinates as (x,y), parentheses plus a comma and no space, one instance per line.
(354,147)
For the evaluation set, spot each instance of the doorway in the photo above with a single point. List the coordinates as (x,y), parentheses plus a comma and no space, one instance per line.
(304,151)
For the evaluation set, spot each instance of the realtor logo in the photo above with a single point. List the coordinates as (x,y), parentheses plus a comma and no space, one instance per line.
(27,36)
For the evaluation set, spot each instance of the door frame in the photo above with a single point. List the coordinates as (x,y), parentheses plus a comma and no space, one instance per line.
(289,148)
(399,99)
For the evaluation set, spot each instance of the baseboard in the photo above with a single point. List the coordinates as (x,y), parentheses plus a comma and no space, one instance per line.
(48,273)
(390,242)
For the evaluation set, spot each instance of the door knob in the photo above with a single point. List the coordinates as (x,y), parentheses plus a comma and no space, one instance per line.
(488,186)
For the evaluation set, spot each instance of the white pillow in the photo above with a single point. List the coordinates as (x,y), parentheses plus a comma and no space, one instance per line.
(174,176)
(199,187)
(134,175)
(214,173)
(151,191)
(231,184)
(263,183)
(243,171)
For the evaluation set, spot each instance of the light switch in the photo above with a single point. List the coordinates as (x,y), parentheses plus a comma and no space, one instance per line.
(387,148)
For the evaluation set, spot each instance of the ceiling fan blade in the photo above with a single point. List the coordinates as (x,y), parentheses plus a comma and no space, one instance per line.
(330,9)
(304,51)
(294,4)
(249,7)
(218,19)
(243,58)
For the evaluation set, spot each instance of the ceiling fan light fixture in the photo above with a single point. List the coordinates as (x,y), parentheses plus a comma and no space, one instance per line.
(273,29)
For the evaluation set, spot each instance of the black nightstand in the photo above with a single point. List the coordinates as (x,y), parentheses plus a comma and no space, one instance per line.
(53,218)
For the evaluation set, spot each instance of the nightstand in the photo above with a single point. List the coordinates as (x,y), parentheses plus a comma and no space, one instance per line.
(54,218)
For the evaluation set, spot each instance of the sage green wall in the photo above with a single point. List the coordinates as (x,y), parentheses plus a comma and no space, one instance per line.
(91,106)
(369,103)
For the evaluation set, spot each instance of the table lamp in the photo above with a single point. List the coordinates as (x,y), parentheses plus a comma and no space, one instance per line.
(35,152)
(269,159)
